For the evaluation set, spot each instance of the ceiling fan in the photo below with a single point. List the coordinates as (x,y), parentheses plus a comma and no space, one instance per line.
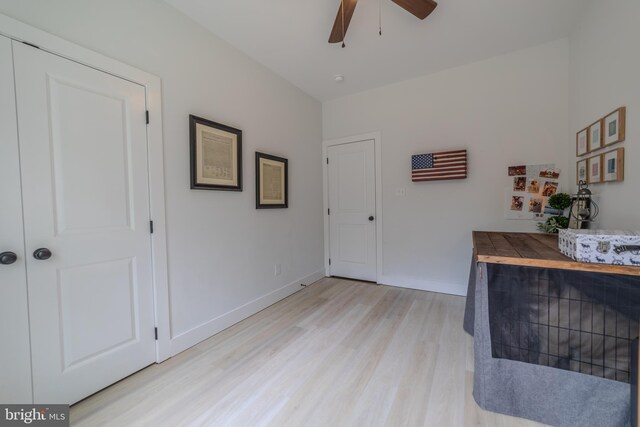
(420,8)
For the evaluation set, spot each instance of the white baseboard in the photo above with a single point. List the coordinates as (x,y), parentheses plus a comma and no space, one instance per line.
(201,332)
(425,285)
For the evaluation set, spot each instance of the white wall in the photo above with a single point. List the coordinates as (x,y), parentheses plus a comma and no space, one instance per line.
(605,75)
(507,110)
(221,249)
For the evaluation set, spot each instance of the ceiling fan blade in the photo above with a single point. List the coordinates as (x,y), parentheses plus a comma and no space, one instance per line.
(336,32)
(420,8)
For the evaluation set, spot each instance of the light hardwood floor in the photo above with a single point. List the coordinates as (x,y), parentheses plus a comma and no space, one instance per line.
(337,353)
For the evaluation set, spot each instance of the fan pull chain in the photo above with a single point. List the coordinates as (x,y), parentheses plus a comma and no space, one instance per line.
(380,17)
(342,9)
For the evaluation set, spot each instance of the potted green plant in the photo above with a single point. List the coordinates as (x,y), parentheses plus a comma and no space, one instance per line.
(559,201)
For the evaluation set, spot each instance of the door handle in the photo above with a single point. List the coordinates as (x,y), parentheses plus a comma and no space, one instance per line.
(7,258)
(42,254)
(371,218)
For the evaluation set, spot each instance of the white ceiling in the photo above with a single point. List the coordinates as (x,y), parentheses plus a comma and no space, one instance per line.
(290,36)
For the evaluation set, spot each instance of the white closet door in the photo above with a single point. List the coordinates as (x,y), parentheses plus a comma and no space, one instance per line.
(15,359)
(352,203)
(83,152)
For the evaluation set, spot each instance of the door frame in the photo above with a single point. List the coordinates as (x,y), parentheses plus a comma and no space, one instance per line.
(377,143)
(21,32)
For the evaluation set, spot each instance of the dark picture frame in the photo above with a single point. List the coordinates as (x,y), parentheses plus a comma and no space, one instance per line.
(272,181)
(216,155)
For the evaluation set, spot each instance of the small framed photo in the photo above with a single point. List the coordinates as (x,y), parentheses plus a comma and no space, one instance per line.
(613,165)
(518,170)
(595,136)
(581,171)
(550,188)
(533,186)
(582,142)
(550,173)
(614,126)
(535,204)
(517,203)
(594,171)
(272,181)
(520,183)
(216,155)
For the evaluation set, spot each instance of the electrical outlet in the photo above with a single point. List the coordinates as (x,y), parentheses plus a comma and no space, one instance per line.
(277,269)
(401,192)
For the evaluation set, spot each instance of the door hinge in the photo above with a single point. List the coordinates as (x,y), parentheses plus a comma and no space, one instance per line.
(147,115)
(151,227)
(328,211)
(327,160)
(329,261)
(32,45)
(156,331)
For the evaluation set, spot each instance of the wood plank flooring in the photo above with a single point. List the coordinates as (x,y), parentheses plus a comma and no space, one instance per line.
(337,353)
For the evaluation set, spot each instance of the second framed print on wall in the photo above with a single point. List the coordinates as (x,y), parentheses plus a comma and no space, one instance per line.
(272,181)
(595,136)
(594,167)
(216,155)
(582,142)
(614,126)
(613,165)
(581,171)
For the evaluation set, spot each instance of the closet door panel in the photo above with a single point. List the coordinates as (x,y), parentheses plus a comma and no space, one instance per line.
(83,145)
(15,357)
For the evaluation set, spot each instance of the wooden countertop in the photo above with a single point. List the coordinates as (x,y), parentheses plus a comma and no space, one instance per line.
(534,250)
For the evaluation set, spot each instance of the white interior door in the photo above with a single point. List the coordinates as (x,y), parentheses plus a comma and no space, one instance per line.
(352,207)
(83,151)
(15,363)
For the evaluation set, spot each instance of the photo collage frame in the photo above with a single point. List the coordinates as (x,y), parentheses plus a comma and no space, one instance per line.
(529,188)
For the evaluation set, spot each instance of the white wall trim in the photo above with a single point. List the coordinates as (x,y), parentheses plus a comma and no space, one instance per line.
(424,285)
(206,330)
(25,33)
(377,138)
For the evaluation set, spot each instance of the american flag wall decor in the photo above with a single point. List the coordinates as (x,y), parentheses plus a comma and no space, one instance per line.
(439,166)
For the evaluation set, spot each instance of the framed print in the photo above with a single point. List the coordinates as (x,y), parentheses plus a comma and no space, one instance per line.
(216,155)
(614,126)
(594,169)
(582,142)
(581,171)
(613,165)
(595,136)
(272,181)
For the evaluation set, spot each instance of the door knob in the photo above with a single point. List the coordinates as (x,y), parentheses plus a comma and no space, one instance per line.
(371,218)
(7,258)
(42,254)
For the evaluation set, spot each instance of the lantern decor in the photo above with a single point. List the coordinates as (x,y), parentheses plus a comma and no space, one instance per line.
(583,208)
